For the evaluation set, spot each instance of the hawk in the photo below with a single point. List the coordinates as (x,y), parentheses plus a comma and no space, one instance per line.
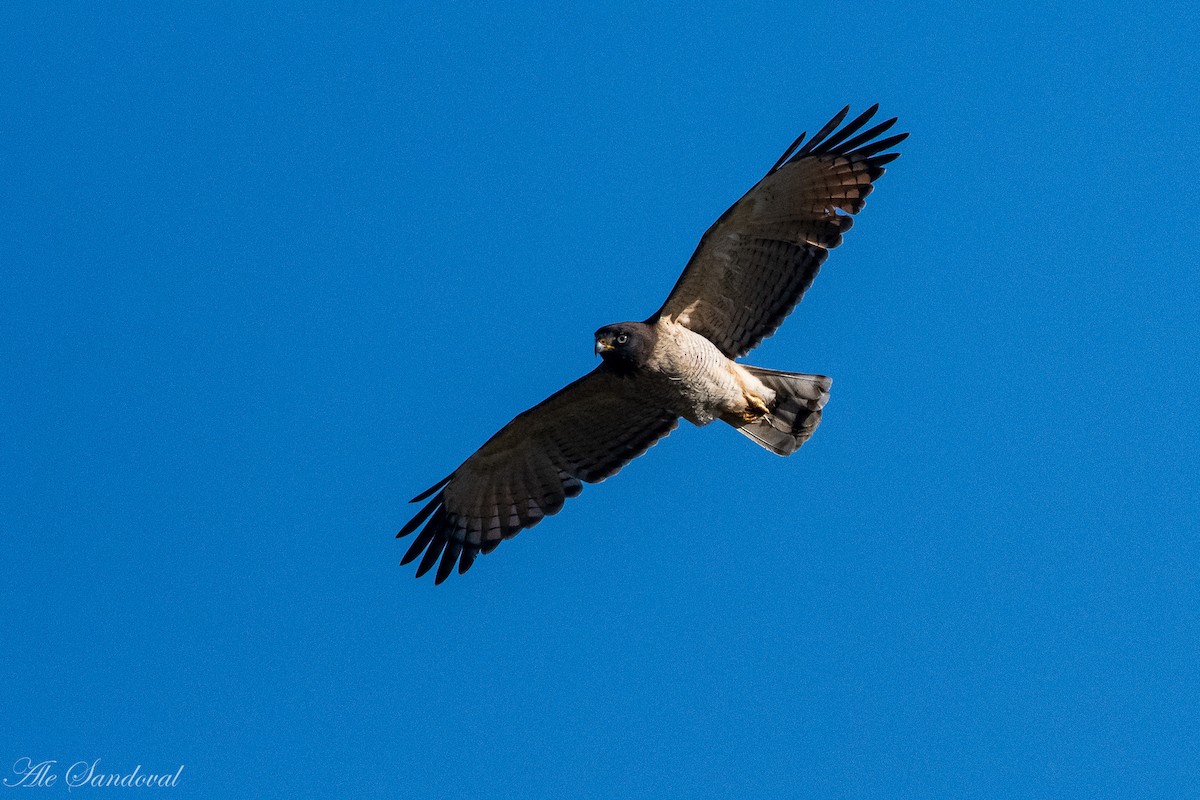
(749,271)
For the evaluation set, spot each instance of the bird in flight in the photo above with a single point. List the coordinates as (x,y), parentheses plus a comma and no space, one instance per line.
(749,271)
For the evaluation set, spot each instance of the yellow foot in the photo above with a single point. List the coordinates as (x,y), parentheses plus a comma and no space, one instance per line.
(755,408)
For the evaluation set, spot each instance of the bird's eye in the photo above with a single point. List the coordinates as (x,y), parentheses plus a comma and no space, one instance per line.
(623,338)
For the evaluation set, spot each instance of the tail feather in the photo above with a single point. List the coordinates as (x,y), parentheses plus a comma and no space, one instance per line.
(794,413)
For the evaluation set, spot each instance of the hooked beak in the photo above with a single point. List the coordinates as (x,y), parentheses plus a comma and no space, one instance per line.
(603,346)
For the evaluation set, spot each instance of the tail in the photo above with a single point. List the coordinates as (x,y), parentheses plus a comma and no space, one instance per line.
(794,414)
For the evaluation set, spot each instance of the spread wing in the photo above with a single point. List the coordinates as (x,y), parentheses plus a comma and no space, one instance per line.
(583,434)
(757,260)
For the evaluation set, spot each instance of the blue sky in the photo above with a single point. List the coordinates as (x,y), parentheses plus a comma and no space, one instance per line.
(268,271)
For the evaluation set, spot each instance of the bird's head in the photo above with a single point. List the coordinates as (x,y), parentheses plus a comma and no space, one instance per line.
(625,346)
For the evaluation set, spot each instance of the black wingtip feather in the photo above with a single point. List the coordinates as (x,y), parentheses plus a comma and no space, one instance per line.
(830,141)
(413,551)
(424,537)
(881,145)
(421,516)
(847,131)
(429,492)
(467,559)
(820,135)
(868,135)
(788,153)
(449,559)
(433,553)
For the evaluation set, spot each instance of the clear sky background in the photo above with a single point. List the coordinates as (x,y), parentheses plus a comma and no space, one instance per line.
(269,271)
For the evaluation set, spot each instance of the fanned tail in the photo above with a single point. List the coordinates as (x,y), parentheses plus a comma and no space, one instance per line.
(795,412)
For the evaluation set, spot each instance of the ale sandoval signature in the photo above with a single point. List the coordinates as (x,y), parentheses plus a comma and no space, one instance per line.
(30,773)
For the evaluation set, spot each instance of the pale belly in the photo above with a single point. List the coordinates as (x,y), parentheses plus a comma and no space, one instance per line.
(695,380)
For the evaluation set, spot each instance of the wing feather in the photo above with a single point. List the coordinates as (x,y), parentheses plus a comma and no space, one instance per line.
(849,129)
(583,434)
(423,538)
(758,259)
